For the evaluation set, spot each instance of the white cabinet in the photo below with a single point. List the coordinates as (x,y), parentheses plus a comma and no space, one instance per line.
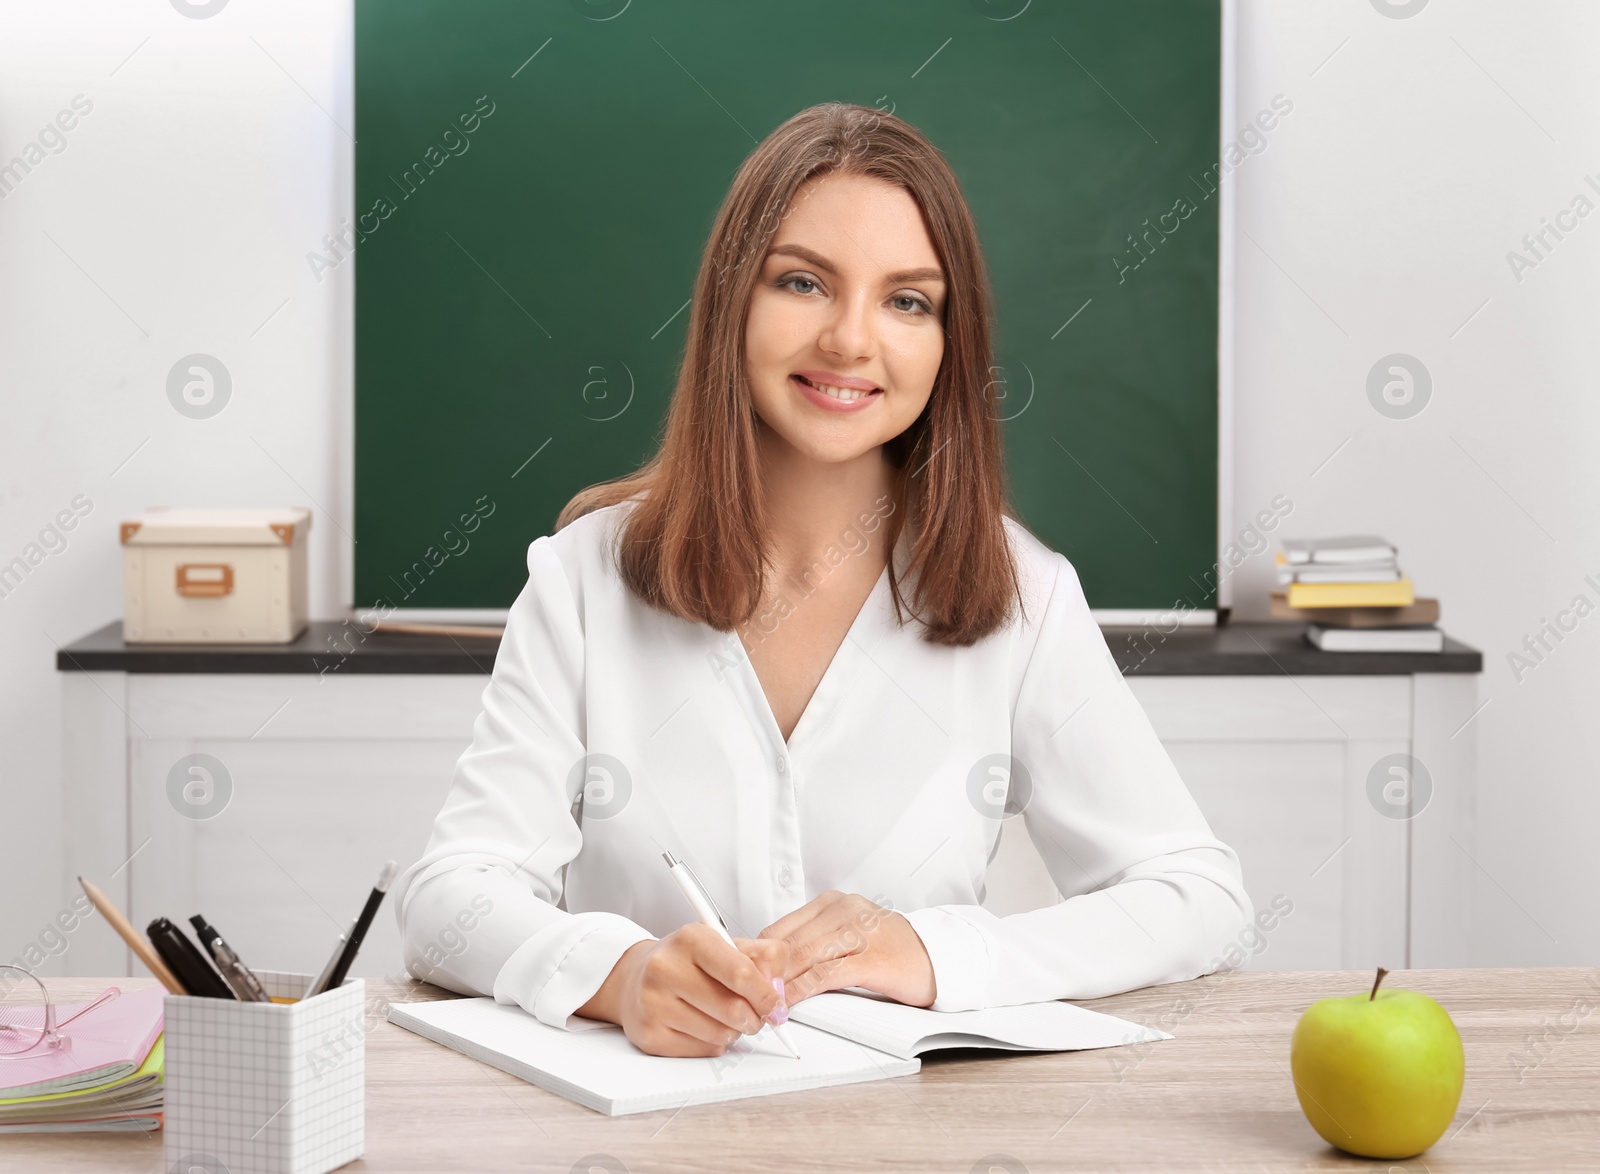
(325,777)
(1373,874)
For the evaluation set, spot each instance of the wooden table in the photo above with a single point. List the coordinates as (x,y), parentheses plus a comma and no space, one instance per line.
(1218,1097)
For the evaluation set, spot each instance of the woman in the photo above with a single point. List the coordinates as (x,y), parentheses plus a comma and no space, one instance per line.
(717,657)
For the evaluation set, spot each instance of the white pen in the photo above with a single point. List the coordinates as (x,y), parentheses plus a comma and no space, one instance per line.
(708,915)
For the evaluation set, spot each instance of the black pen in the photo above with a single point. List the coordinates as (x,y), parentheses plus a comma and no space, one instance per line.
(345,954)
(191,967)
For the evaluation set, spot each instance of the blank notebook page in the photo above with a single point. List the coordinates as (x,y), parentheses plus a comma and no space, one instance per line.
(909,1031)
(601,1068)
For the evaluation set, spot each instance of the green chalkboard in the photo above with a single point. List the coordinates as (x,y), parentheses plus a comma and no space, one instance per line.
(535,182)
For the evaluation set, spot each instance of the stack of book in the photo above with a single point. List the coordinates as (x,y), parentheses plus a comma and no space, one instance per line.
(108,1079)
(1352,593)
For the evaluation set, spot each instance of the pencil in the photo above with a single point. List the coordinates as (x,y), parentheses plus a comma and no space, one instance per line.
(136,943)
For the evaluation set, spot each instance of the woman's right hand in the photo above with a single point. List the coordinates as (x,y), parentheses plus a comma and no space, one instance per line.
(690,993)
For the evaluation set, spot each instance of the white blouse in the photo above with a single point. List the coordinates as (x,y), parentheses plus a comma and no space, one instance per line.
(614,728)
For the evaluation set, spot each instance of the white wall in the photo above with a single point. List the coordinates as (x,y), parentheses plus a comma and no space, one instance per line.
(176,220)
(1382,212)
(1382,209)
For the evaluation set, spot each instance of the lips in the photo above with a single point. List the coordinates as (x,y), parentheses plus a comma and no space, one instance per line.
(840,401)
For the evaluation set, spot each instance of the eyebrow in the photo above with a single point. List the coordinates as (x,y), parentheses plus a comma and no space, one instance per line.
(904,276)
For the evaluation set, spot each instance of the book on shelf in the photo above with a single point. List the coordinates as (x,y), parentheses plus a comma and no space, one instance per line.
(1400,593)
(1412,639)
(1363,573)
(1422,611)
(1356,548)
(1354,596)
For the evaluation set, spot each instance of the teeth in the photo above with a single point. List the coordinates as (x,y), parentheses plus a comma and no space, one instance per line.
(841,393)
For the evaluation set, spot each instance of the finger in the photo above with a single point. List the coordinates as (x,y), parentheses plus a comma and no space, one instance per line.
(739,988)
(673,1042)
(771,955)
(826,937)
(772,959)
(689,1020)
(675,984)
(786,925)
(727,1010)
(833,975)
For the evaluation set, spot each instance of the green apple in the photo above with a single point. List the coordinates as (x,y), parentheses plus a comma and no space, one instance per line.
(1378,1074)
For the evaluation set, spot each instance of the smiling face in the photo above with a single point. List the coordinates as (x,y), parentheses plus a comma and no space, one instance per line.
(844,333)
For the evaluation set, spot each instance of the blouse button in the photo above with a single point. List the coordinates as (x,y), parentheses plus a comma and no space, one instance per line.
(785,878)
(783,764)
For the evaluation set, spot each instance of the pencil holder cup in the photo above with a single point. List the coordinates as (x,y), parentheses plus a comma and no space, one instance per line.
(266,1088)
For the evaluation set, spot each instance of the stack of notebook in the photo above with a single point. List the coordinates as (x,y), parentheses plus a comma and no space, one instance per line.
(1354,596)
(108,1080)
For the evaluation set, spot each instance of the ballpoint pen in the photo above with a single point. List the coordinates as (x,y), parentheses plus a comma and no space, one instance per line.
(345,951)
(701,901)
(239,976)
(320,983)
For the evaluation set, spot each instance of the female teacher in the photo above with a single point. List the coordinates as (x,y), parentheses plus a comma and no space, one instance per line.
(808,650)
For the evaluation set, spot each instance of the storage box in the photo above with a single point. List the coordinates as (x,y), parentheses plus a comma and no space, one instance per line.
(197,576)
(267,1088)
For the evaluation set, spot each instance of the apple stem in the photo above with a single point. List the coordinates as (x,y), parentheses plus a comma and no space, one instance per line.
(1381,973)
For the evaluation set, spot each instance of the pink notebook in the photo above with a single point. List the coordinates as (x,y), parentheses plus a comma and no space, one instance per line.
(108,1043)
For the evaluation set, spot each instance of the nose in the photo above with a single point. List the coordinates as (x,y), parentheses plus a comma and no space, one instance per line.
(849,331)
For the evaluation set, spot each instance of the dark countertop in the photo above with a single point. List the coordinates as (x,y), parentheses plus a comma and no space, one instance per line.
(1266,649)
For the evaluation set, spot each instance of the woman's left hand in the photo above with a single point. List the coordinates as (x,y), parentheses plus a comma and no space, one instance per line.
(839,940)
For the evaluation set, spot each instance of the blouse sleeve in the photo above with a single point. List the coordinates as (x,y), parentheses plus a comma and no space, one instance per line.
(1149,894)
(479,912)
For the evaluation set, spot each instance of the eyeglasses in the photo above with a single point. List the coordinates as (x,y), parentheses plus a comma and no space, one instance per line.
(28,1021)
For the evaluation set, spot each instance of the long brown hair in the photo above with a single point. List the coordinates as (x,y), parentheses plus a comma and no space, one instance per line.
(694,544)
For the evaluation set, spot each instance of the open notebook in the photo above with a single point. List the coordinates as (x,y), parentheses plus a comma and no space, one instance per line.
(842,1039)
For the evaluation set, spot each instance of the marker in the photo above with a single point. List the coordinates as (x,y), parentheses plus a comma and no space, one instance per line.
(186,961)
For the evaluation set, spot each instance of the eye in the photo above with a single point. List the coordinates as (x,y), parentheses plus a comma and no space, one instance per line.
(918,306)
